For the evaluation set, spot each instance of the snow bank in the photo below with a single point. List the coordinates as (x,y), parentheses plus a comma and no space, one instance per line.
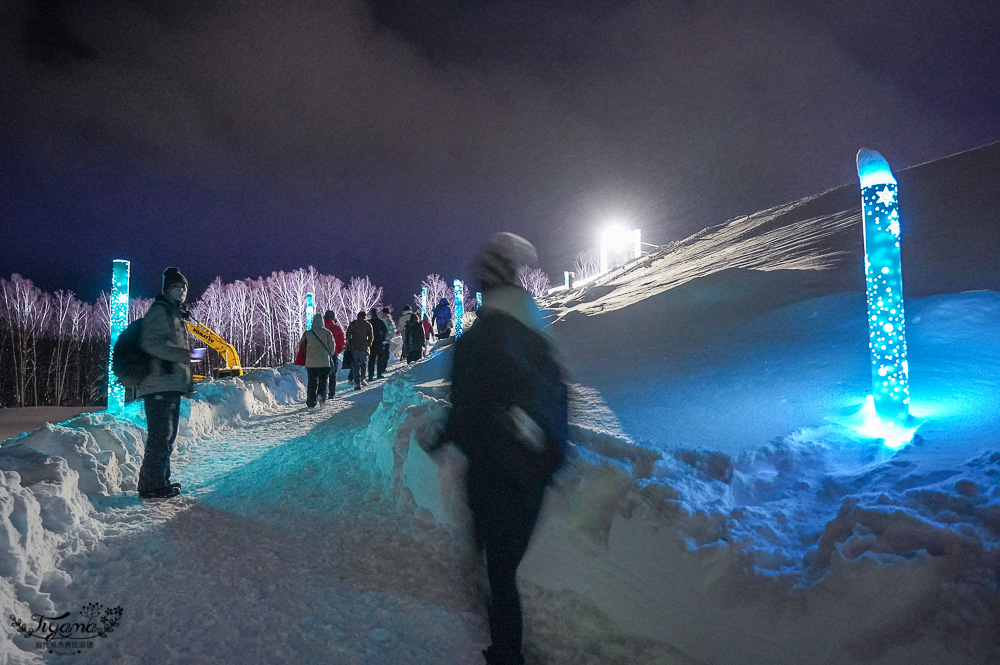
(51,477)
(820,541)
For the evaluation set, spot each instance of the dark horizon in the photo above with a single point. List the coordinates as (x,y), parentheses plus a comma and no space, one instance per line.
(386,139)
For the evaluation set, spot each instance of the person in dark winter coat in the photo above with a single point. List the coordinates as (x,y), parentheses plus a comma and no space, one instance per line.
(442,319)
(379,345)
(413,340)
(404,318)
(320,347)
(359,343)
(340,342)
(509,418)
(165,339)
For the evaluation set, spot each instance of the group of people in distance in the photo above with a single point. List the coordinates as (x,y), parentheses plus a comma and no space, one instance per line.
(367,343)
(508,416)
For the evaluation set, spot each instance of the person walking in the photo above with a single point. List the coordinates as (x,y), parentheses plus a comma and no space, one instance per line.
(380,332)
(165,339)
(404,318)
(442,319)
(509,418)
(428,331)
(360,337)
(339,341)
(319,347)
(390,336)
(413,339)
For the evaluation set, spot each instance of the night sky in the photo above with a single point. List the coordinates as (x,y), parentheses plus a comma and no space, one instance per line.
(390,137)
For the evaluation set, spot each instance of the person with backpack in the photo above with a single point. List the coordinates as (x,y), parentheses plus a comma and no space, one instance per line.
(379,346)
(319,347)
(340,342)
(359,342)
(164,339)
(442,319)
(509,417)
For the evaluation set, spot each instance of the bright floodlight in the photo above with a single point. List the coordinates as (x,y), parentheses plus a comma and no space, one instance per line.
(886,323)
(459,308)
(616,239)
(612,240)
(119,320)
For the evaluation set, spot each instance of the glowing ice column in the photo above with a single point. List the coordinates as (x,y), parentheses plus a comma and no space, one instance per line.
(886,324)
(310,308)
(479,299)
(423,303)
(119,320)
(459,308)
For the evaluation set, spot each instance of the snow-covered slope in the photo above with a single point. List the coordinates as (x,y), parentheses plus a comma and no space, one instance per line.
(722,504)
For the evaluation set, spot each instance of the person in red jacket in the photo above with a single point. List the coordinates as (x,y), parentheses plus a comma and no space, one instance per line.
(428,329)
(340,341)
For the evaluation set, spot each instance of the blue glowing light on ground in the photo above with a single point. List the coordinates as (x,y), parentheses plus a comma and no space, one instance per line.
(459,308)
(883,274)
(119,320)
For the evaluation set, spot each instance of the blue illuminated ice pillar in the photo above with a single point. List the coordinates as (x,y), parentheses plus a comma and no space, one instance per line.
(423,303)
(886,324)
(479,299)
(310,308)
(119,320)
(459,308)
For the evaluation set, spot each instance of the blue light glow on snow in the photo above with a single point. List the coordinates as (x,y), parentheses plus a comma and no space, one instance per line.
(119,320)
(459,308)
(883,272)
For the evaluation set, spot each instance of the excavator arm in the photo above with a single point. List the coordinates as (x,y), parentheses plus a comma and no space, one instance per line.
(224,348)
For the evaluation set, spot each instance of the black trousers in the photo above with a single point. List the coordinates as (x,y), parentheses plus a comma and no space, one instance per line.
(163,411)
(316,380)
(378,360)
(504,517)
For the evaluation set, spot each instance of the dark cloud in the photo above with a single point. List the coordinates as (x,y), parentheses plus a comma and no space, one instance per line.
(385,137)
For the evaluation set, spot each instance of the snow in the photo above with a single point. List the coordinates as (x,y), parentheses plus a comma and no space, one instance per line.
(722,503)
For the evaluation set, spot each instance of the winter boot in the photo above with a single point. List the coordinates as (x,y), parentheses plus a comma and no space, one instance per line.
(167,492)
(494,657)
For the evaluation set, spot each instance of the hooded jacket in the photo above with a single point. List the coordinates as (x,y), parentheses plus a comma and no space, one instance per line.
(320,345)
(165,339)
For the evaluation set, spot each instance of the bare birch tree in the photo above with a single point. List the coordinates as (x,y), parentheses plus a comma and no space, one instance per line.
(586,264)
(25,309)
(534,280)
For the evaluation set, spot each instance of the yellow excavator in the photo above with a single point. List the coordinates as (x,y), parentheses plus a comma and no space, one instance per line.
(224,348)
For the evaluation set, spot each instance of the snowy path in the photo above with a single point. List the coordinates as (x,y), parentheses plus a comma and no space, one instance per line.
(222,577)
(283,550)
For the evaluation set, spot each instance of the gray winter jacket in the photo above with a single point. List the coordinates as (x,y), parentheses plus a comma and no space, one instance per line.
(319,344)
(165,338)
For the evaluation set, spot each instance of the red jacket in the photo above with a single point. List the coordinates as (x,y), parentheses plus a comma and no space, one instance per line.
(340,341)
(427,329)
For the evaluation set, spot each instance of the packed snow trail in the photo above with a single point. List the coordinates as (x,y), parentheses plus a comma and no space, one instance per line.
(332,536)
(283,550)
